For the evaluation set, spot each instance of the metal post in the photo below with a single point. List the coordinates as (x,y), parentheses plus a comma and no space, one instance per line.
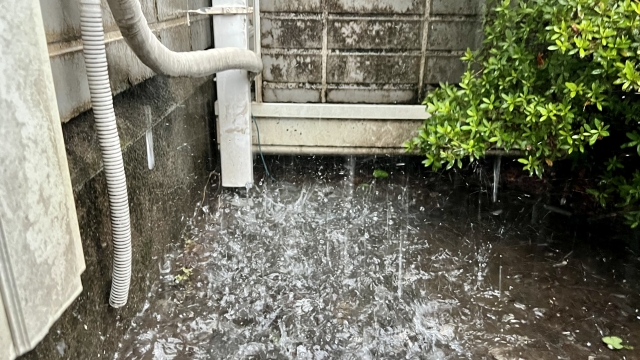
(234,100)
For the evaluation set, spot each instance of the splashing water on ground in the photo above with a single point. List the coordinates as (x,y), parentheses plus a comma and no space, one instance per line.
(334,264)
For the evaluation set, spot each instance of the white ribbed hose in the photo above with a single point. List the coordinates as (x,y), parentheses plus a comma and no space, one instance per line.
(95,59)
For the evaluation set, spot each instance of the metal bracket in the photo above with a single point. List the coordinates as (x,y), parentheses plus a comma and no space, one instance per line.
(220,10)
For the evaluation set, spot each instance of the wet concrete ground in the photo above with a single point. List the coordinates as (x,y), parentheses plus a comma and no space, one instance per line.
(327,262)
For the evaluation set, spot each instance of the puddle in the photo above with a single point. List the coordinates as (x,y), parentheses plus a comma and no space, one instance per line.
(330,263)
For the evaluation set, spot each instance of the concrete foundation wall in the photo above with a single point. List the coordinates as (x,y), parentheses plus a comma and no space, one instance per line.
(177,112)
(62,25)
(364,51)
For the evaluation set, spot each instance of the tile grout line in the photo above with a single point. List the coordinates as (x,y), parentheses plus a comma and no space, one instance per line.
(387,52)
(325,41)
(348,17)
(423,58)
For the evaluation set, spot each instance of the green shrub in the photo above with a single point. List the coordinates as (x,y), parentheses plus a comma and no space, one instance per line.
(553,77)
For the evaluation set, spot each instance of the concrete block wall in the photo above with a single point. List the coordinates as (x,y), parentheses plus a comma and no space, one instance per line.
(178,113)
(62,26)
(364,51)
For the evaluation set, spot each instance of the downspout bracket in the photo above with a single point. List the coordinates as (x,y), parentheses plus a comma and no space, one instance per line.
(222,10)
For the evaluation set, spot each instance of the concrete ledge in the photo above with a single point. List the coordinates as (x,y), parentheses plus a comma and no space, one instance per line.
(336,133)
(333,137)
(335,129)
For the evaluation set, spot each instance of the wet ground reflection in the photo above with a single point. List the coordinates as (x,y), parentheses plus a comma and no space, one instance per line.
(330,263)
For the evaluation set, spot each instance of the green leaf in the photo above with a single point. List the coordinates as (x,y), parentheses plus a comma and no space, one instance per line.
(380,174)
(615,343)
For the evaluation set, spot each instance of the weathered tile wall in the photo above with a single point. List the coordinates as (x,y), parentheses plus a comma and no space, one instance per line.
(364,51)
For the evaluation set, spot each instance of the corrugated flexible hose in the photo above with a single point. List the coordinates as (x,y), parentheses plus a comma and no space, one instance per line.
(105,119)
(135,30)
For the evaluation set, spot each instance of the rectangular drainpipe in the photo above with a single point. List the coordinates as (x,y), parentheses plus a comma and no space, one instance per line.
(234,100)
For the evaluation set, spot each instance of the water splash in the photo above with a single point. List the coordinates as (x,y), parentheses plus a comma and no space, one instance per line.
(496,177)
(316,267)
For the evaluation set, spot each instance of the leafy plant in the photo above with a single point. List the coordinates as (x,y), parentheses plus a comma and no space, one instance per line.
(553,78)
(615,343)
(380,174)
(186,273)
